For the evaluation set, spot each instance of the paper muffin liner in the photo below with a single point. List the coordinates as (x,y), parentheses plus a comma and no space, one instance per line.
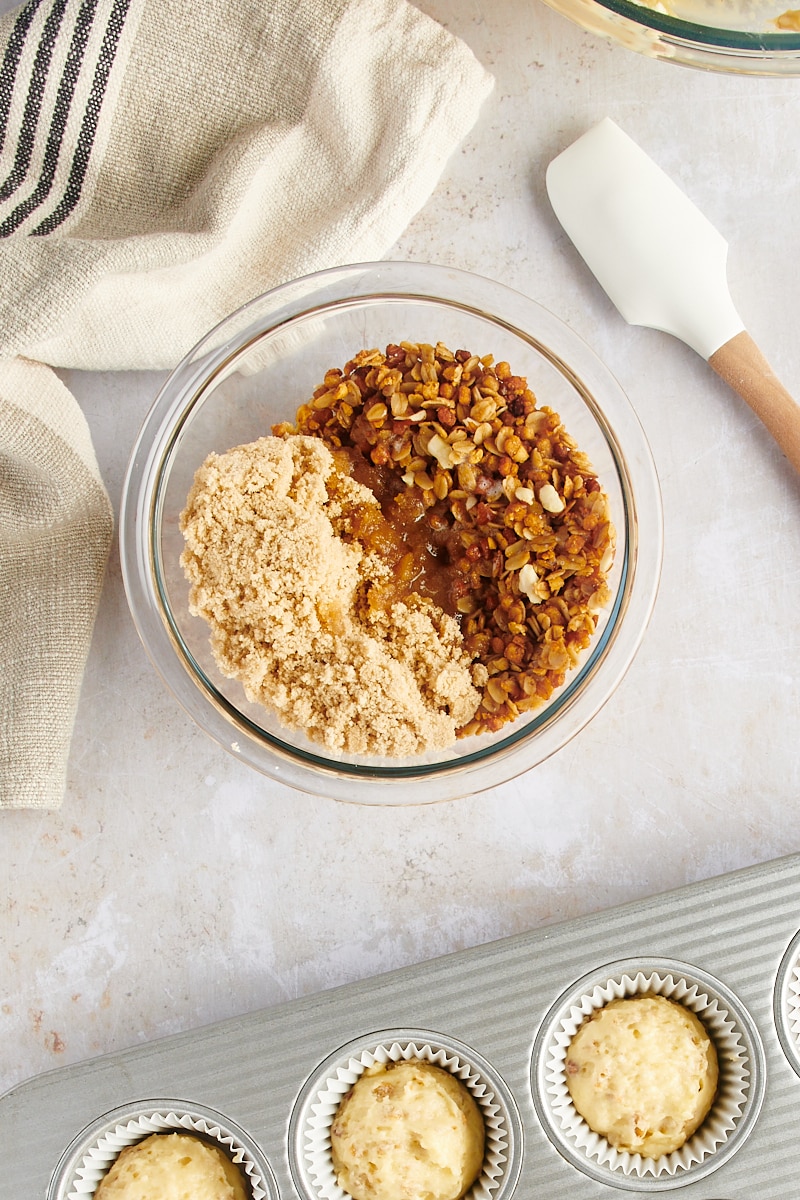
(787,1003)
(310,1126)
(94,1151)
(735,1107)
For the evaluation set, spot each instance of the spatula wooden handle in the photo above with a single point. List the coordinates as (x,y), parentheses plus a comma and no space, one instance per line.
(743,367)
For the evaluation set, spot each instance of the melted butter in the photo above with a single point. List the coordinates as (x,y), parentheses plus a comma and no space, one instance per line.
(403,534)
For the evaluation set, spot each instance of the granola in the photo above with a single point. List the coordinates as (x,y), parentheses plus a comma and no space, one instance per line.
(501,516)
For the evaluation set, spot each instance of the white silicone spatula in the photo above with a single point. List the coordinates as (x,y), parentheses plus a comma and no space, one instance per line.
(663,264)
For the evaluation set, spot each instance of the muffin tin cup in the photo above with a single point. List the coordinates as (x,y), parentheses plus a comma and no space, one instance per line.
(96,1148)
(787,1003)
(310,1126)
(521,998)
(741,1075)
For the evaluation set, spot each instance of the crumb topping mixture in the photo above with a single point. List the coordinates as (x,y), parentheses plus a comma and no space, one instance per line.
(503,519)
(421,555)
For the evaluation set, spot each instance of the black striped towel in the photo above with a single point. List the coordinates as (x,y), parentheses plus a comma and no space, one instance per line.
(161,162)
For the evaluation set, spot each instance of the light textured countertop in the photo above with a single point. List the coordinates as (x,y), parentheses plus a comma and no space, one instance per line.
(176,886)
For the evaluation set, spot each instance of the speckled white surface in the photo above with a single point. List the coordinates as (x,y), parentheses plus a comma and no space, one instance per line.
(176,887)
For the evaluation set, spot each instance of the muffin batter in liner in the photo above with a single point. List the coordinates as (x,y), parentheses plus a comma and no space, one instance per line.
(127,1126)
(312,1163)
(739,1093)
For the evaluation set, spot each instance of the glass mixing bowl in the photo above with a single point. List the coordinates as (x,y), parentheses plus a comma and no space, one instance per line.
(746,37)
(253,370)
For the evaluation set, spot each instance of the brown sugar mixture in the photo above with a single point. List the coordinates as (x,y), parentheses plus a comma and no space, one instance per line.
(486,506)
(289,559)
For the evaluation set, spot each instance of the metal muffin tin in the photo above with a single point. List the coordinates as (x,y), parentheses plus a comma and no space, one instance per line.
(492,1014)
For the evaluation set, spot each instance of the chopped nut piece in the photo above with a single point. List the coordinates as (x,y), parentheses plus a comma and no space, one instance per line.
(550,499)
(440,450)
(607,560)
(528,580)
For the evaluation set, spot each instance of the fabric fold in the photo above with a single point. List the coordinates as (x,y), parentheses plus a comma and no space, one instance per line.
(55,530)
(161,163)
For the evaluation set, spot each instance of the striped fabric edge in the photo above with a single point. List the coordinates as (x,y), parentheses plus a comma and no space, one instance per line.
(60,74)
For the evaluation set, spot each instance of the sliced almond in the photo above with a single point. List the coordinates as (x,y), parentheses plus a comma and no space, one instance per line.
(550,499)
(440,450)
(528,580)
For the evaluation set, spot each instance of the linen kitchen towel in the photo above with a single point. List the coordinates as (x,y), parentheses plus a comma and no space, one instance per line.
(161,163)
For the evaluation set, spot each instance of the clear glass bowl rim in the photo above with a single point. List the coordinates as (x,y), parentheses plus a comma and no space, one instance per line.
(782,42)
(370,783)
